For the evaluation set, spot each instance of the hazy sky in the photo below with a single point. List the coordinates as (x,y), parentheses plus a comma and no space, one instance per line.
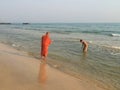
(59,10)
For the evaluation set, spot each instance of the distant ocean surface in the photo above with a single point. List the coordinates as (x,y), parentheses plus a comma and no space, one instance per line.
(102,61)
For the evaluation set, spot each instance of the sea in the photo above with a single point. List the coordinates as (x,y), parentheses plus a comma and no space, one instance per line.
(100,64)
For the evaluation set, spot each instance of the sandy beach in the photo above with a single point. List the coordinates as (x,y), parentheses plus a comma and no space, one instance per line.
(18,71)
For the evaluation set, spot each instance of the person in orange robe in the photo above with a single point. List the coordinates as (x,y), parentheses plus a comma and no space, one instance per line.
(45,42)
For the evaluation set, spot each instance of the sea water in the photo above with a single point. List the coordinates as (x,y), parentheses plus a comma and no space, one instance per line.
(102,61)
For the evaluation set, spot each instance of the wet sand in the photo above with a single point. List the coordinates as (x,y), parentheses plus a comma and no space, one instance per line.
(18,71)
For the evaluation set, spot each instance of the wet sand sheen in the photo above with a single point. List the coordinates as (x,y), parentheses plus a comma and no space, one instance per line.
(21,72)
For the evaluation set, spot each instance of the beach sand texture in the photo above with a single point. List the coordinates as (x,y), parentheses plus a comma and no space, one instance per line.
(18,71)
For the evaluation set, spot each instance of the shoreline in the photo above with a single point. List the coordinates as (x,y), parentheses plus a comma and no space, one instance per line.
(21,72)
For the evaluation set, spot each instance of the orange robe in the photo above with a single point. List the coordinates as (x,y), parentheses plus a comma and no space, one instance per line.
(45,42)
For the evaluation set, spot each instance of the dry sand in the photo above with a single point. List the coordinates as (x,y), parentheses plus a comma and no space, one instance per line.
(18,71)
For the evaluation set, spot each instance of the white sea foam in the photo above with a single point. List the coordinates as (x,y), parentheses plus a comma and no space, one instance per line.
(13,45)
(115,47)
(115,35)
(115,53)
(90,41)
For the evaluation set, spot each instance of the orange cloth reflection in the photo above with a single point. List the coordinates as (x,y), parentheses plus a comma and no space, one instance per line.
(42,73)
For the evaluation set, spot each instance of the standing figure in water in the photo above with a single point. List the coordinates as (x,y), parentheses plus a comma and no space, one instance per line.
(45,42)
(84,45)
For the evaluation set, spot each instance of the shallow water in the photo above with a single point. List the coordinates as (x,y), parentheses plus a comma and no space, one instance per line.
(102,61)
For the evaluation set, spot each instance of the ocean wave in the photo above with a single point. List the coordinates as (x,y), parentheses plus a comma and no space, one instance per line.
(93,31)
(61,32)
(106,46)
(115,53)
(112,47)
(16,46)
(115,35)
(115,47)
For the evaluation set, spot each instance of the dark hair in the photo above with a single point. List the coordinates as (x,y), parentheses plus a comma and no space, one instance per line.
(81,40)
(47,32)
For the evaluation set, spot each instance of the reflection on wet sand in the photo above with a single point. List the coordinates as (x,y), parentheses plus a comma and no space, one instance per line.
(42,73)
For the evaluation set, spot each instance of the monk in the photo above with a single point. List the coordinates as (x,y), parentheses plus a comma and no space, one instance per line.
(84,45)
(45,42)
